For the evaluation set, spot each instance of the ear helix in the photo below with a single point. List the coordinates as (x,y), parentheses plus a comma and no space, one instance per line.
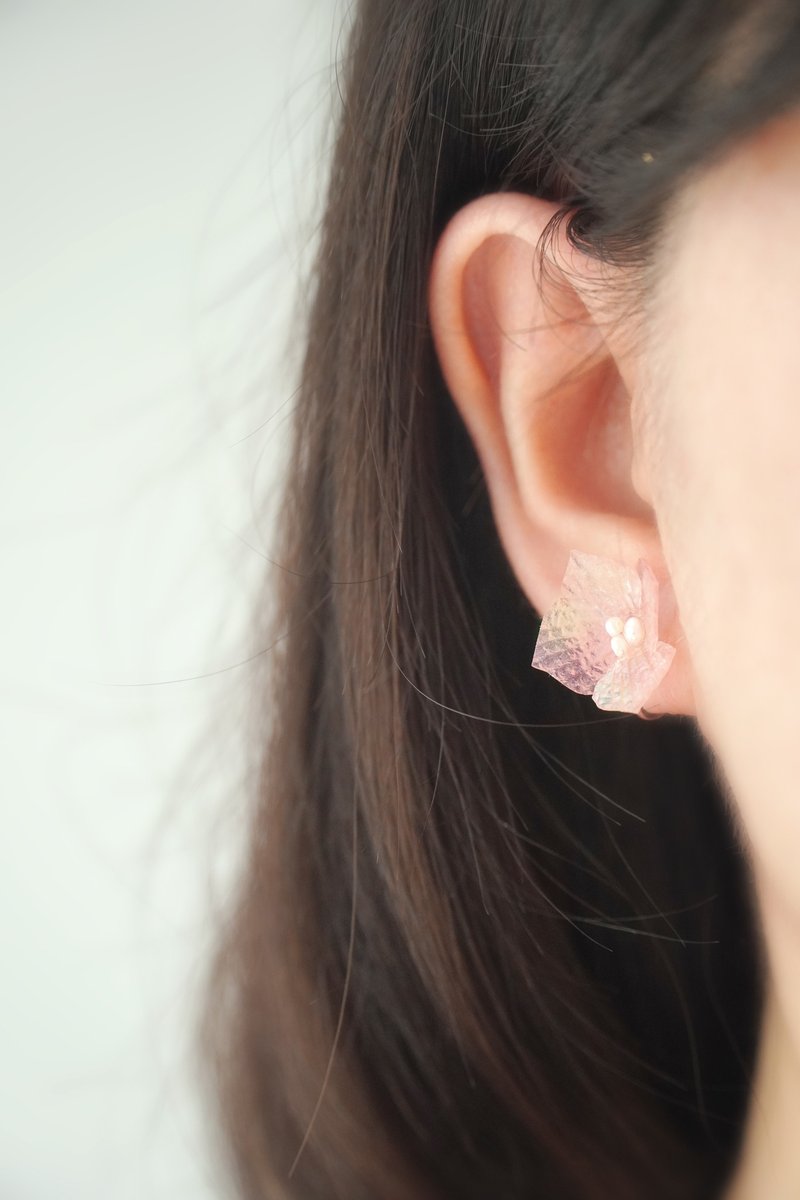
(600,637)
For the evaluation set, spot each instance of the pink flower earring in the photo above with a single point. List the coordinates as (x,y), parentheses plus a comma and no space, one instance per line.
(600,638)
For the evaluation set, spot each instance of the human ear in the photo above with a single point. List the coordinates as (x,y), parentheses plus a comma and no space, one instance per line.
(547,381)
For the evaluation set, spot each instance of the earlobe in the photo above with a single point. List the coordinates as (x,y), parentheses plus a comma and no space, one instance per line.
(544,383)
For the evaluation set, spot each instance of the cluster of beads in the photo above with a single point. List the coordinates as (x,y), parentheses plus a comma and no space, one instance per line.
(625,635)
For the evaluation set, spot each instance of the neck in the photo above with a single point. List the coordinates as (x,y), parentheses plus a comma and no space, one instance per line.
(769,1164)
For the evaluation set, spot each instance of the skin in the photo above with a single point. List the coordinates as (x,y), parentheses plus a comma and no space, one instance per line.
(676,439)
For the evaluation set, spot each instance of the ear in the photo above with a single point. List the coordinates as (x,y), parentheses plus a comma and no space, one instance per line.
(547,382)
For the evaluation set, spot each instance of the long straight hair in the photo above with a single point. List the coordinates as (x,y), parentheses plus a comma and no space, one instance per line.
(488,944)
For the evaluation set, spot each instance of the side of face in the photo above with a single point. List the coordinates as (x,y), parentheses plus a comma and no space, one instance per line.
(720,431)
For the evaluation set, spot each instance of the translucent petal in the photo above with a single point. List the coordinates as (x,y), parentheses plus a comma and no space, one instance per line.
(569,650)
(573,645)
(600,587)
(632,680)
(649,606)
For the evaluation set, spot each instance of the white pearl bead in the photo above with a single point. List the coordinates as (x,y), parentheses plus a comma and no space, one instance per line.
(614,625)
(634,631)
(619,645)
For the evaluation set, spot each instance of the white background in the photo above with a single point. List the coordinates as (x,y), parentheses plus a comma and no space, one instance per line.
(160,167)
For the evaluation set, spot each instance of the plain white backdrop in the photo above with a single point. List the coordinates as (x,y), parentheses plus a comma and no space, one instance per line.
(162,164)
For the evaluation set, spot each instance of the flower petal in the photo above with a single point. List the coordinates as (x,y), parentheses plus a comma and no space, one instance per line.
(632,680)
(649,606)
(573,645)
(570,650)
(601,587)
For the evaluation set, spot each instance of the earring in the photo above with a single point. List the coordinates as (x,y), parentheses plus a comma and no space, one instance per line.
(600,638)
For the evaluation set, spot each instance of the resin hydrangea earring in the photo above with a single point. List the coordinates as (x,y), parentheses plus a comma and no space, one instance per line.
(600,638)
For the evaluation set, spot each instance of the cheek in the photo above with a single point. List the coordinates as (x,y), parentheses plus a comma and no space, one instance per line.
(726,462)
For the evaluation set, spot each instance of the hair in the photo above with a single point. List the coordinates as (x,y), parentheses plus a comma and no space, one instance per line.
(487,942)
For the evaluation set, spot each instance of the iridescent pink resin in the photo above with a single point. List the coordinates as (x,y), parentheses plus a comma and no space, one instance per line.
(575,647)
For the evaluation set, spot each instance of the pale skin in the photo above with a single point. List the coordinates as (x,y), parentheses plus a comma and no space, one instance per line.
(676,440)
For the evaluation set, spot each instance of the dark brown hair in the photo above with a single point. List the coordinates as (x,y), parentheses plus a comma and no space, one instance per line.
(489,943)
